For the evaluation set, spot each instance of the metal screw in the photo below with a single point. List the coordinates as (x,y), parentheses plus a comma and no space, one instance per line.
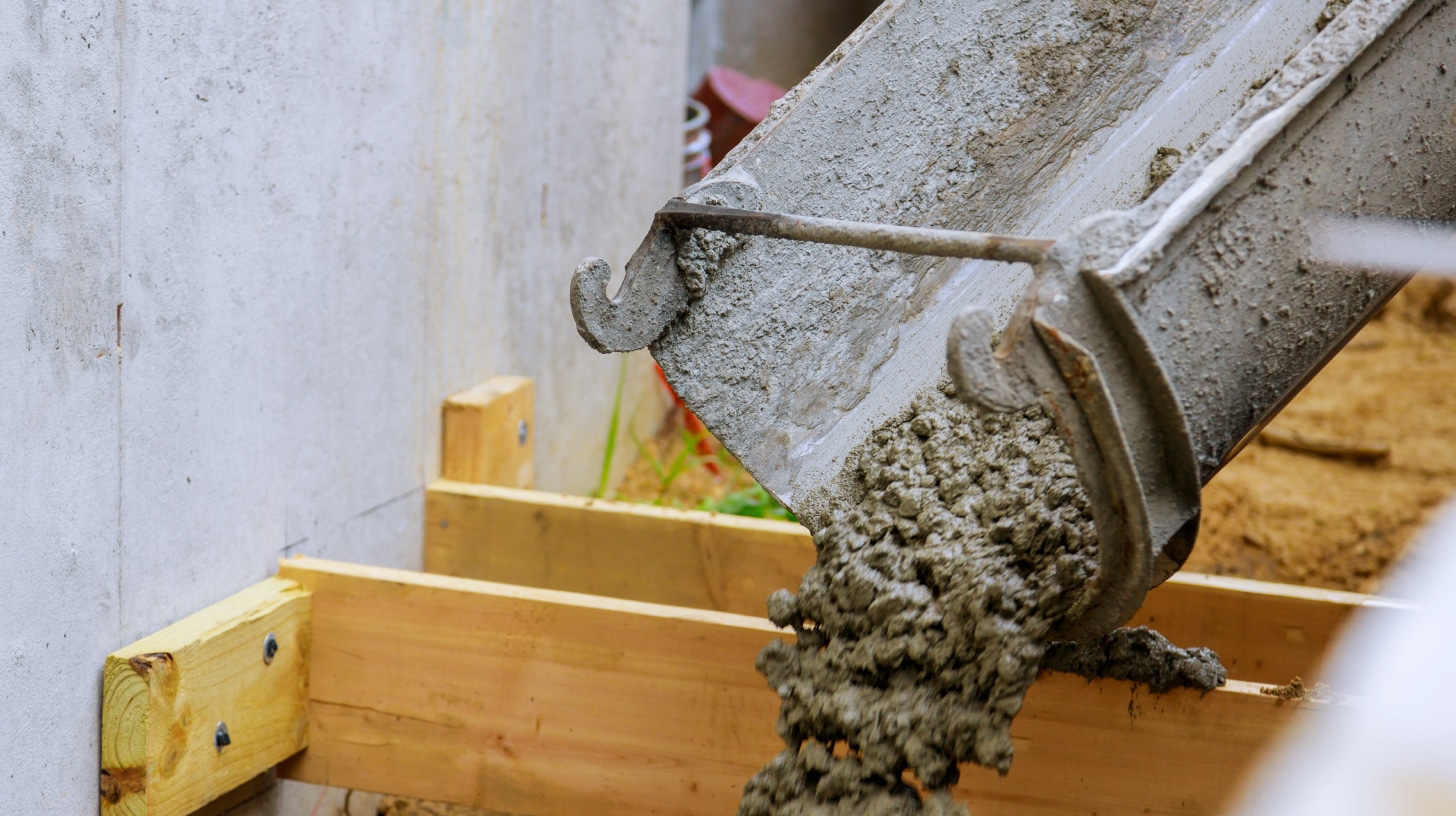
(270,648)
(220,737)
(521,432)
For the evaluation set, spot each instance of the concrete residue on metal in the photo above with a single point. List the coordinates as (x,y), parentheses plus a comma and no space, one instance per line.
(924,619)
(1141,655)
(1214,265)
(1164,163)
(971,115)
(699,254)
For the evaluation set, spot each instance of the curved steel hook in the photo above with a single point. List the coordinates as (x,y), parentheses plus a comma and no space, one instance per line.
(980,375)
(652,295)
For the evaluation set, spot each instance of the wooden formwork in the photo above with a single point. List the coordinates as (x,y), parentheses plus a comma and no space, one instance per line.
(564,655)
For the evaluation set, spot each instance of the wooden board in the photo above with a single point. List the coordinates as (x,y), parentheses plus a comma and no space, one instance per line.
(488,433)
(164,695)
(1106,747)
(1264,632)
(552,703)
(616,549)
(529,701)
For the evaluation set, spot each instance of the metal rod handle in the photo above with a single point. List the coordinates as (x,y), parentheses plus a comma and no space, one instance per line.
(912,240)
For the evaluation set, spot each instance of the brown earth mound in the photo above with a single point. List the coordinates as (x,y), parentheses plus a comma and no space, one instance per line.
(1277,513)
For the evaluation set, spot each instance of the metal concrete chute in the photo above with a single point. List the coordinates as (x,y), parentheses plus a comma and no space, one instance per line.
(1161,333)
(1165,336)
(973,115)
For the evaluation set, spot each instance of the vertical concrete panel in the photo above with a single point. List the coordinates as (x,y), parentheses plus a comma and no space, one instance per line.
(318,225)
(273,275)
(576,143)
(58,397)
(616,153)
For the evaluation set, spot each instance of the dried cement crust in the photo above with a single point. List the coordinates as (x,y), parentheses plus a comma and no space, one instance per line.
(973,114)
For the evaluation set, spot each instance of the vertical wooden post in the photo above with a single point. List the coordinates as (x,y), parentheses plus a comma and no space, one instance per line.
(489,433)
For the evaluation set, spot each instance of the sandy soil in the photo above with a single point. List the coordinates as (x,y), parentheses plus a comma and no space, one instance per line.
(1277,514)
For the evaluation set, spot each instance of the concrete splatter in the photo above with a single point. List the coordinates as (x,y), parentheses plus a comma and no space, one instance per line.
(1141,655)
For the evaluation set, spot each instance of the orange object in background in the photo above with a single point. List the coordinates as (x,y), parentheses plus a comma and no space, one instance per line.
(736,104)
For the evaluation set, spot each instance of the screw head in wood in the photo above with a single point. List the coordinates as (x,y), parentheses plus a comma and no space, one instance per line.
(522,432)
(270,647)
(221,738)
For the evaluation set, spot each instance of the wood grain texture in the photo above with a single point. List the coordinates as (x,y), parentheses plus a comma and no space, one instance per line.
(529,701)
(621,550)
(551,703)
(1107,747)
(1264,632)
(164,695)
(481,436)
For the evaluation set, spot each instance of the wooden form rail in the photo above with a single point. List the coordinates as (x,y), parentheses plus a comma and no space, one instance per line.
(1264,632)
(605,666)
(535,701)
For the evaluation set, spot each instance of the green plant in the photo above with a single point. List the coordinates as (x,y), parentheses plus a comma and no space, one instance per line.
(754,502)
(668,472)
(611,448)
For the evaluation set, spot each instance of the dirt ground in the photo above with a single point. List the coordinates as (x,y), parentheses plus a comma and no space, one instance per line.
(651,477)
(1298,517)
(1276,513)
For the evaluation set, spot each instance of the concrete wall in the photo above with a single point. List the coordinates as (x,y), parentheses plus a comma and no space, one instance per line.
(246,248)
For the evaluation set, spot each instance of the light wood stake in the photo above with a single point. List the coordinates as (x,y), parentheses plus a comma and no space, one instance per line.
(165,697)
(489,433)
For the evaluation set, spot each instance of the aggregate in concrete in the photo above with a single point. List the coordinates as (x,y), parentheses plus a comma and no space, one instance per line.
(1141,655)
(924,620)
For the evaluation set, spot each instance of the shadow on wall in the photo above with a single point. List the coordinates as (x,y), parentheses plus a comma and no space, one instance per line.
(777,40)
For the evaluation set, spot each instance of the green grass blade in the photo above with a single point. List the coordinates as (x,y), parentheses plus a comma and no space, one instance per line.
(612,431)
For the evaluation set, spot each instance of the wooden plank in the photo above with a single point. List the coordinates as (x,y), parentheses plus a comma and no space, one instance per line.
(551,703)
(1107,747)
(1264,632)
(164,696)
(488,433)
(616,549)
(529,701)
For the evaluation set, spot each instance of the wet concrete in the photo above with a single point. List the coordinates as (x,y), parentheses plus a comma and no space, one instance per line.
(926,616)
(1141,655)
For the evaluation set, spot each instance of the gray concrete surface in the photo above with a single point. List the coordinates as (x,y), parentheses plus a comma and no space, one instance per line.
(1036,116)
(245,251)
